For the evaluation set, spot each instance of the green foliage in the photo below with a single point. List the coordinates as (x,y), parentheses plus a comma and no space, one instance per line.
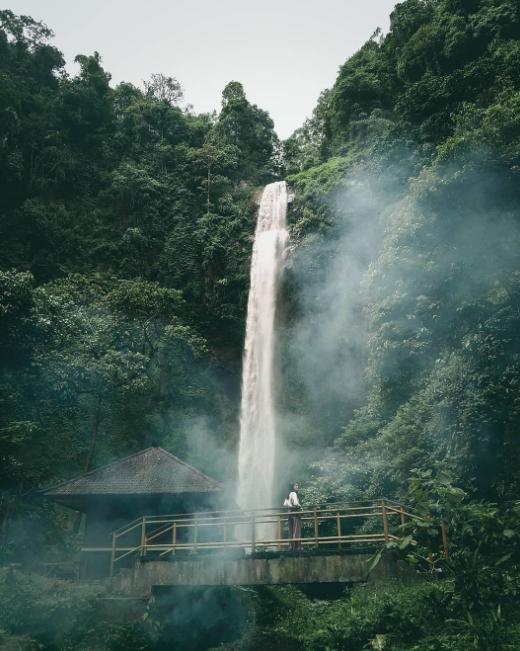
(122,301)
(250,131)
(439,288)
(424,122)
(438,58)
(483,559)
(416,616)
(64,615)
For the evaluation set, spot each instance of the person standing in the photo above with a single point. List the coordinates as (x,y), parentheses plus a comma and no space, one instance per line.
(294,520)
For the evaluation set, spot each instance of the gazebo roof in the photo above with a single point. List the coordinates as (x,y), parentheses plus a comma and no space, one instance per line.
(153,471)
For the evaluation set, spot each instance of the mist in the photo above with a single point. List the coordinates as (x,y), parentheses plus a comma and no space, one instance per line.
(323,347)
(377,303)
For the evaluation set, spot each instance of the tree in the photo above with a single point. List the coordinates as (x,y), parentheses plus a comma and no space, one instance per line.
(250,130)
(216,159)
(164,89)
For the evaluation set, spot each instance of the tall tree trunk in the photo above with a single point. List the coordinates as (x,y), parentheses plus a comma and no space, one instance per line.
(94,435)
(209,183)
(80,519)
(4,526)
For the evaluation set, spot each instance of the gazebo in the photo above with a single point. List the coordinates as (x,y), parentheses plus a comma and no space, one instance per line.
(150,482)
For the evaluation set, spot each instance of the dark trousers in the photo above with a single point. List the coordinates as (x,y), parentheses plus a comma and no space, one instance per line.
(295,530)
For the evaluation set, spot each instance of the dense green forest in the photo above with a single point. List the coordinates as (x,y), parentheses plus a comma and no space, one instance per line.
(126,228)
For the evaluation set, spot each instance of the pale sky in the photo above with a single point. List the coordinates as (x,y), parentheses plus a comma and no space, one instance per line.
(284,52)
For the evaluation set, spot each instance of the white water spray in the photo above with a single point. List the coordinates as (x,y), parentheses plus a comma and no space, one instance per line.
(256,458)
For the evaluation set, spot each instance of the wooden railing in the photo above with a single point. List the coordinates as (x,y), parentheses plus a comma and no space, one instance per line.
(330,526)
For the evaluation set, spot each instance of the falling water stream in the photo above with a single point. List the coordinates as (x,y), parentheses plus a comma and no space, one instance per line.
(256,458)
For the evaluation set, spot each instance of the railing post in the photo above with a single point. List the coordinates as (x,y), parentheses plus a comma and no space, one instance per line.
(113,554)
(195,534)
(402,514)
(315,520)
(338,526)
(143,537)
(444,539)
(174,537)
(279,532)
(253,532)
(385,521)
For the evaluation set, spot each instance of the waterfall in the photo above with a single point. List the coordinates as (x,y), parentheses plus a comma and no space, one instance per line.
(256,457)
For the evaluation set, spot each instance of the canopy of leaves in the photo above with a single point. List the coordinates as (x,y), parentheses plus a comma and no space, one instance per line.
(125,226)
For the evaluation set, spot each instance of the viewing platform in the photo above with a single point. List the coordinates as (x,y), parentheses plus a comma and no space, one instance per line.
(226,548)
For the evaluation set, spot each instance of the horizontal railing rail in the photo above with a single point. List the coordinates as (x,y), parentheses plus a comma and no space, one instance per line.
(328,506)
(322,526)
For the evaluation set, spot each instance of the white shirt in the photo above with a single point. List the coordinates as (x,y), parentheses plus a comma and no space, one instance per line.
(293,499)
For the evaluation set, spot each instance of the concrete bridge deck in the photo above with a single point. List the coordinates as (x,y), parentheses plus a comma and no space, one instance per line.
(215,571)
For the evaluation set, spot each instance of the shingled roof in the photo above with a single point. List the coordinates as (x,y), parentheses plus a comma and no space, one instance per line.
(151,471)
